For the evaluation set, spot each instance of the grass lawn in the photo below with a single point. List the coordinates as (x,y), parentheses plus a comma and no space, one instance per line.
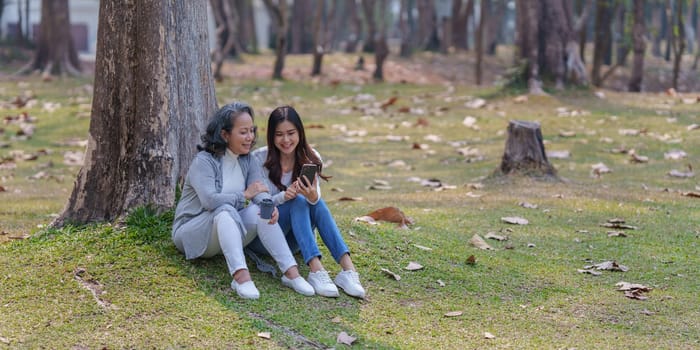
(124,285)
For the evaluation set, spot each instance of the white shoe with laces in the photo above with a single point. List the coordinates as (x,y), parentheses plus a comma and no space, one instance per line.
(299,285)
(322,283)
(245,290)
(349,281)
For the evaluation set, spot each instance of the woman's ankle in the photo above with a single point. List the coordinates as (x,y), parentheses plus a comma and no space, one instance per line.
(241,276)
(292,273)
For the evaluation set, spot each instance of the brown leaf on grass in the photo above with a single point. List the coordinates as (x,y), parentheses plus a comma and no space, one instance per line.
(616,234)
(344,338)
(617,225)
(422,122)
(682,174)
(337,189)
(388,102)
(636,158)
(590,271)
(479,242)
(264,335)
(599,169)
(404,109)
(366,219)
(336,319)
(391,214)
(493,235)
(520,99)
(633,290)
(475,103)
(3,189)
(515,220)
(488,335)
(567,133)
(609,266)
(89,283)
(693,127)
(421,146)
(413,266)
(422,247)
(350,199)
(391,274)
(687,194)
(453,313)
(471,260)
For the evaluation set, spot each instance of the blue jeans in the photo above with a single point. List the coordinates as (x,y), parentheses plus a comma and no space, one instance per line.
(298,219)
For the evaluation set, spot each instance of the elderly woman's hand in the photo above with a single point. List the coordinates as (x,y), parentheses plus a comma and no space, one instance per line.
(255,188)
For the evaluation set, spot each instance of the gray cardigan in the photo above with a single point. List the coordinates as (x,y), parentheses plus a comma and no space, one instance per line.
(202,200)
(260,155)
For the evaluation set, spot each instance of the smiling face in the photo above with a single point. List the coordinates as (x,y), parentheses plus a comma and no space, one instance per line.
(240,138)
(286,138)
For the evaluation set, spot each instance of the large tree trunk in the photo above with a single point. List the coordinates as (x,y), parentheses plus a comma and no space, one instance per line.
(622,37)
(602,39)
(278,12)
(658,20)
(494,22)
(300,27)
(319,43)
(426,23)
(153,93)
(639,46)
(381,47)
(405,25)
(247,39)
(55,52)
(524,153)
(547,40)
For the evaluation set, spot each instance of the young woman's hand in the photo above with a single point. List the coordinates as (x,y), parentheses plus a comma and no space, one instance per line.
(291,191)
(255,188)
(275,216)
(308,188)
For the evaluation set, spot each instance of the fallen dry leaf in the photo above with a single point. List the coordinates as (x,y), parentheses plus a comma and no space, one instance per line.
(616,234)
(558,154)
(453,313)
(488,335)
(528,205)
(336,319)
(633,290)
(344,338)
(264,335)
(493,235)
(471,260)
(479,242)
(675,155)
(350,199)
(682,174)
(391,274)
(366,219)
(422,247)
(391,214)
(515,220)
(475,103)
(590,271)
(609,266)
(413,266)
(440,283)
(687,194)
(520,99)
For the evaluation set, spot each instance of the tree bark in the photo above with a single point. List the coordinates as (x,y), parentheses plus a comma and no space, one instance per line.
(153,91)
(480,42)
(247,39)
(319,45)
(639,46)
(622,37)
(355,26)
(368,7)
(226,20)
(405,21)
(426,24)
(494,22)
(55,52)
(278,12)
(602,39)
(381,47)
(696,8)
(677,41)
(301,26)
(658,20)
(524,152)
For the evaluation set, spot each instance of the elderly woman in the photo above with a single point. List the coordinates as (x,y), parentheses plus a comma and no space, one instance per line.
(212,217)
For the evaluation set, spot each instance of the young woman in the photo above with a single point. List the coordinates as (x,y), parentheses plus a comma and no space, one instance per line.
(212,217)
(300,205)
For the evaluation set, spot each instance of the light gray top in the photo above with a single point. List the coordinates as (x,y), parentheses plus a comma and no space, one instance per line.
(202,199)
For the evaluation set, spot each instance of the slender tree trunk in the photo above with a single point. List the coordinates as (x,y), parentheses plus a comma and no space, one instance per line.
(226,20)
(368,7)
(639,45)
(602,39)
(247,39)
(678,41)
(355,26)
(381,47)
(318,41)
(495,19)
(622,41)
(658,27)
(153,91)
(696,7)
(668,32)
(278,12)
(55,53)
(459,24)
(405,16)
(480,42)
(426,24)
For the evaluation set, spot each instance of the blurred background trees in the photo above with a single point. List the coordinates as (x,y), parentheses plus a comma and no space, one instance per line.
(553,43)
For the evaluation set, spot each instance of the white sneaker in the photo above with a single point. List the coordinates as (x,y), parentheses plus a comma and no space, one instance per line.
(299,285)
(349,281)
(322,284)
(245,290)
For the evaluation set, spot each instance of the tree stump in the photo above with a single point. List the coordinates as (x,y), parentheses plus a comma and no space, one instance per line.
(524,153)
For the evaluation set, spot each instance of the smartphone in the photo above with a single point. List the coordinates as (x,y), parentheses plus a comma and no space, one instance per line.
(310,171)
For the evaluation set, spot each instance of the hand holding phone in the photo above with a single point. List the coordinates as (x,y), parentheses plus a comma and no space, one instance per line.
(310,171)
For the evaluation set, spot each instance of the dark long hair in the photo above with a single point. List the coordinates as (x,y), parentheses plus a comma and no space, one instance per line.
(224,119)
(303,153)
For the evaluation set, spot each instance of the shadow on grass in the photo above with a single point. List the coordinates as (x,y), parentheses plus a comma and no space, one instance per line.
(297,321)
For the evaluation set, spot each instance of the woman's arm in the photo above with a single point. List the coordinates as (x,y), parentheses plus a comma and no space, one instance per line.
(203,179)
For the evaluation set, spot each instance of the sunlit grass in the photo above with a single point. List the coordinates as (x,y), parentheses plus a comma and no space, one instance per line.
(527,291)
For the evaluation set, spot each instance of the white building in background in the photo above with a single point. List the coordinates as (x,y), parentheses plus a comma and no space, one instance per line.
(84,16)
